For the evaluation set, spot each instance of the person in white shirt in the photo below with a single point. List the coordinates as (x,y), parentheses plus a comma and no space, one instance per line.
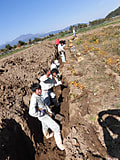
(61,51)
(47,82)
(55,65)
(74,31)
(41,111)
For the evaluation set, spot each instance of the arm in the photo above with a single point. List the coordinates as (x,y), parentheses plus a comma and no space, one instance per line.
(57,82)
(48,111)
(43,108)
(45,77)
(32,108)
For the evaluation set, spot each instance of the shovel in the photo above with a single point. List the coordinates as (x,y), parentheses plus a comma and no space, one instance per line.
(59,117)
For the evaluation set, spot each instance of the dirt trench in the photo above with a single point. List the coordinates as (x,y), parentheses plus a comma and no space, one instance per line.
(87,131)
(20,134)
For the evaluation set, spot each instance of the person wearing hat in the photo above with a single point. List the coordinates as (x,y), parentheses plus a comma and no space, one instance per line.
(47,82)
(40,110)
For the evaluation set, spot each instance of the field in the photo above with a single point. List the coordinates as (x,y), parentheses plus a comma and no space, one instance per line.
(90,98)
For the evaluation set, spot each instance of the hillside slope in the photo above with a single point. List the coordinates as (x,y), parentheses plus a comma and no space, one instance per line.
(114,13)
(90,99)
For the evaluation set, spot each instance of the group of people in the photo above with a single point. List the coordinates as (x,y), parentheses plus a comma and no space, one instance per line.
(43,96)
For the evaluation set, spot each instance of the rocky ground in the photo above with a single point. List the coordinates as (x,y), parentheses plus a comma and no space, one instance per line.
(90,102)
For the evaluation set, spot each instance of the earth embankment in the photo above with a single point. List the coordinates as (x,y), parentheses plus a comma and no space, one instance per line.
(89,100)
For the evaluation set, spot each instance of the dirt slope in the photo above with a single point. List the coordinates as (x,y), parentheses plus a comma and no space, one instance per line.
(90,101)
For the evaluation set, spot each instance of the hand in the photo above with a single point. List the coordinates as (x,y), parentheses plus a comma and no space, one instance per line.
(42,112)
(48,74)
(50,114)
(60,83)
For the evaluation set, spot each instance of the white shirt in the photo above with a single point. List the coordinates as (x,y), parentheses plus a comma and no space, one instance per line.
(35,103)
(53,66)
(60,48)
(48,82)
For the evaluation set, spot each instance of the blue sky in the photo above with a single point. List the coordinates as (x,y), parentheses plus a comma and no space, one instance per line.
(18,17)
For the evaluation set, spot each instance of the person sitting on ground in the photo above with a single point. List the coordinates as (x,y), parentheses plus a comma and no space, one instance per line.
(47,82)
(61,50)
(41,111)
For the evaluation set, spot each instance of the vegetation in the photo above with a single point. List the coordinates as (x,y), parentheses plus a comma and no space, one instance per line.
(79,28)
(104,44)
(8,47)
(114,13)
(10,53)
(21,43)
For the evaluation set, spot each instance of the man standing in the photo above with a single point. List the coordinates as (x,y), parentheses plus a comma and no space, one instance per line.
(74,31)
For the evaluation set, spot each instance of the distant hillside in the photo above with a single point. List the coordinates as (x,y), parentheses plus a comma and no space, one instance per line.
(26,37)
(114,13)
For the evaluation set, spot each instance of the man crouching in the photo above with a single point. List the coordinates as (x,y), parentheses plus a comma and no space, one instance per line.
(41,111)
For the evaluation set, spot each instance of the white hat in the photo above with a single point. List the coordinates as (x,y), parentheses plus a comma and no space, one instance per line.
(56,62)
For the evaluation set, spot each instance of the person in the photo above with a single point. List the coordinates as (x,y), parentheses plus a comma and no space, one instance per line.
(74,31)
(41,111)
(56,48)
(47,82)
(57,42)
(55,65)
(61,50)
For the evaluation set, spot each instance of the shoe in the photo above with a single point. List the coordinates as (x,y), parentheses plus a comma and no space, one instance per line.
(61,147)
(58,141)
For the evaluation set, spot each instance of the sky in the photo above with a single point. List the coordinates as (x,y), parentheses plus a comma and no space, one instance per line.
(18,17)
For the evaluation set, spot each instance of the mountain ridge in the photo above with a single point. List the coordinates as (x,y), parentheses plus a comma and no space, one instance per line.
(114,13)
(26,37)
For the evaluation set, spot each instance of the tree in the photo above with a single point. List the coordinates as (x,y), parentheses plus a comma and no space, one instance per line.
(84,25)
(30,41)
(14,46)
(71,28)
(37,39)
(21,43)
(8,47)
(51,35)
(79,25)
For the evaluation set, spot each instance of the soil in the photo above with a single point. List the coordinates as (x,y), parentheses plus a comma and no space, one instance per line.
(89,100)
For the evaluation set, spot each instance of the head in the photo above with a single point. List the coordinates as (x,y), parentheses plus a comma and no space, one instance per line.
(54,72)
(36,88)
(61,42)
(56,62)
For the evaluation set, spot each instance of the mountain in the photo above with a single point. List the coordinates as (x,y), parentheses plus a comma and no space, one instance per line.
(114,13)
(26,37)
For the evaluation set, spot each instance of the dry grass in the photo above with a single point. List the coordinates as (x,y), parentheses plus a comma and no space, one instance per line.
(105,43)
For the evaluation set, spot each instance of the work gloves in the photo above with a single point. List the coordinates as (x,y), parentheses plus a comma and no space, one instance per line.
(43,112)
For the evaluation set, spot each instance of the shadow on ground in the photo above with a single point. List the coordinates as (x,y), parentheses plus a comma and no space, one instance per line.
(35,127)
(110,122)
(14,143)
